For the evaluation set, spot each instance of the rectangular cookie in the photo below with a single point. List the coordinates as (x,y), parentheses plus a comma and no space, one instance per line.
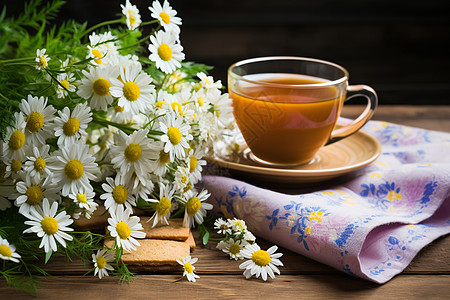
(174,231)
(190,241)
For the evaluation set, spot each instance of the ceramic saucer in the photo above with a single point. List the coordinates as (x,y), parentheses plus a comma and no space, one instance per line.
(347,155)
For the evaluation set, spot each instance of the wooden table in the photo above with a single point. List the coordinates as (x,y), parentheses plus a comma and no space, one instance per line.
(427,277)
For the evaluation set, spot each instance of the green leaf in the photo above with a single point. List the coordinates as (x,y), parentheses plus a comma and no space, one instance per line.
(48,255)
(205,238)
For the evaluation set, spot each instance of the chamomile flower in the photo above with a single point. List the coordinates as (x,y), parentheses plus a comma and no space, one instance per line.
(71,126)
(13,145)
(223,110)
(13,168)
(65,84)
(232,248)
(222,226)
(237,225)
(95,87)
(176,136)
(117,194)
(101,262)
(166,16)
(37,164)
(134,90)
(163,204)
(39,119)
(195,207)
(183,181)
(125,228)
(162,160)
(8,251)
(131,12)
(41,59)
(102,48)
(207,82)
(73,167)
(165,52)
(49,226)
(260,262)
(188,267)
(84,199)
(32,191)
(196,163)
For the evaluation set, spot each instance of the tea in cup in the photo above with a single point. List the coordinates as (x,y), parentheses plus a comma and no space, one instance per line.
(287,107)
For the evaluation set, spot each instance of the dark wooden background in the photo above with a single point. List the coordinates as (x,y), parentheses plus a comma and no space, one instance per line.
(398,47)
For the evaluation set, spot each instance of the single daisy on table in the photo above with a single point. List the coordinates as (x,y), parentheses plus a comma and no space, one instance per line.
(125,229)
(134,90)
(260,262)
(41,59)
(165,52)
(95,87)
(232,248)
(73,167)
(188,267)
(117,194)
(222,226)
(176,136)
(37,164)
(49,226)
(14,142)
(101,262)
(166,16)
(195,207)
(163,204)
(38,117)
(131,12)
(71,126)
(8,251)
(65,84)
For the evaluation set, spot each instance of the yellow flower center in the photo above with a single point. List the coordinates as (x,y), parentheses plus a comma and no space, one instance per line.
(164,157)
(82,198)
(71,126)
(49,225)
(163,206)
(164,52)
(131,17)
(193,206)
(235,249)
(101,262)
(188,267)
(17,140)
(201,101)
(131,91)
(65,84)
(159,104)
(118,108)
(74,169)
(165,17)
(16,165)
(176,106)
(5,251)
(133,152)
(101,86)
(239,225)
(35,121)
(97,54)
(34,195)
(123,230)
(120,194)
(174,135)
(392,196)
(39,164)
(261,258)
(42,61)
(188,186)
(192,164)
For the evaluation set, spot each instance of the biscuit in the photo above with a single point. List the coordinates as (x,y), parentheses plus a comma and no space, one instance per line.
(174,231)
(190,240)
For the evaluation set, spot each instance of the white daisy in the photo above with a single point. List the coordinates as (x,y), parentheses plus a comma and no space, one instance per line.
(195,163)
(134,154)
(13,145)
(71,126)
(118,115)
(207,82)
(166,16)
(37,164)
(165,52)
(65,84)
(39,119)
(163,204)
(232,248)
(13,168)
(162,160)
(31,191)
(134,90)
(188,267)
(73,167)
(117,194)
(176,136)
(183,180)
(41,59)
(125,228)
(49,226)
(237,225)
(95,87)
(195,207)
(101,262)
(222,226)
(84,199)
(102,48)
(8,251)
(222,107)
(131,12)
(260,262)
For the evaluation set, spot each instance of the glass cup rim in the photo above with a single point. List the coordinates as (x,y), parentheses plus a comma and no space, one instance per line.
(293,58)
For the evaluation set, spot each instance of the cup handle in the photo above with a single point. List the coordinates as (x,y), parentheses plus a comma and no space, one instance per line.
(372,102)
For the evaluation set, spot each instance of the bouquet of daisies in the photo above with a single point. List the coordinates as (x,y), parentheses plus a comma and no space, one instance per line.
(106,115)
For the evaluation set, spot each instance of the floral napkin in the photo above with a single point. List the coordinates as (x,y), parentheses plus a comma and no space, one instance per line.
(371,226)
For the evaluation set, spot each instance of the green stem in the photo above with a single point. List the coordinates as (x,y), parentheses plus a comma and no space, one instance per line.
(101,25)
(148,23)
(16,59)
